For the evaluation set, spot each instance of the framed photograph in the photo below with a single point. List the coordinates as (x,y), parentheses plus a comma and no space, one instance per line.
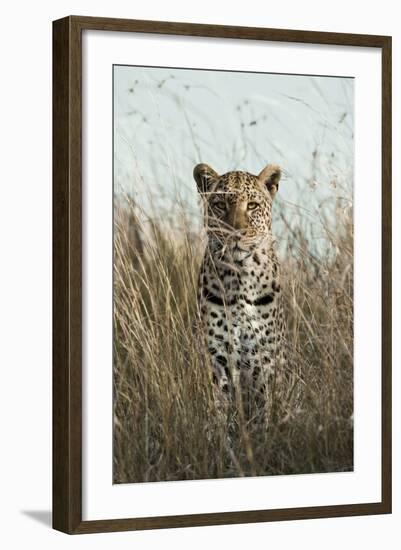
(222,274)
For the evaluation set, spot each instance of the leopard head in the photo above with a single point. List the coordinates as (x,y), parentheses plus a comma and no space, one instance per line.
(237,205)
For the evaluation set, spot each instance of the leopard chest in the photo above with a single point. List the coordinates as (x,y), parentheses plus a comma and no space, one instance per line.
(241,313)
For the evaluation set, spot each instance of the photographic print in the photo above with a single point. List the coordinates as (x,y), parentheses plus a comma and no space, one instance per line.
(233,274)
(221,274)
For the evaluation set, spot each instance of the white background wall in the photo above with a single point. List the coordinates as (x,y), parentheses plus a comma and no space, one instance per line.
(25,272)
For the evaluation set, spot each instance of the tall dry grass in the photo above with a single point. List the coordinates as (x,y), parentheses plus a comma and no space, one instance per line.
(167,422)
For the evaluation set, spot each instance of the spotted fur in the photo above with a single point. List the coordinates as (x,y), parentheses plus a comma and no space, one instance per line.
(239,283)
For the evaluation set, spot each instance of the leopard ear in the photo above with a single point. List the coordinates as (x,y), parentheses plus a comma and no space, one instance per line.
(270,177)
(205,177)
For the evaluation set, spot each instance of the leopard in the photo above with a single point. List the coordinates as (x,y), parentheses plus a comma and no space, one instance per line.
(239,298)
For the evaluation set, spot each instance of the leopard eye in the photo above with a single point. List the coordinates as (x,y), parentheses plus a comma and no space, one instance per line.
(253,205)
(220,205)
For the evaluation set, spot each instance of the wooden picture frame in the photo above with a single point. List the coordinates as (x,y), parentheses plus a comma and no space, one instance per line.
(67,273)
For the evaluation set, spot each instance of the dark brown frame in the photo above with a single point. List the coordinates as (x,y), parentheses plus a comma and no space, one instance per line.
(67,278)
